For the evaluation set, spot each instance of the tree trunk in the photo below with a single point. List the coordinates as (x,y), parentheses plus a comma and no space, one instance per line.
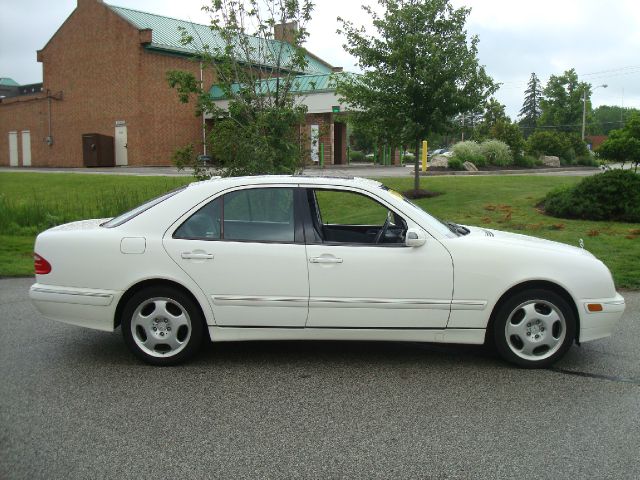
(416,177)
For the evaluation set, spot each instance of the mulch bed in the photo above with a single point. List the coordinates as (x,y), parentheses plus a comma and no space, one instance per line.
(420,193)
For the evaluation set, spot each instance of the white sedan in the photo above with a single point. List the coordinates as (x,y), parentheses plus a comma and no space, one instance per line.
(301,258)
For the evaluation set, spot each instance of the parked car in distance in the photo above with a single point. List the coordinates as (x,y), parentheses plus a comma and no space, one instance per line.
(438,151)
(312,258)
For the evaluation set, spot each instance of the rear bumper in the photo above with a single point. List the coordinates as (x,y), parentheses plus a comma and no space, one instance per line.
(84,307)
(595,325)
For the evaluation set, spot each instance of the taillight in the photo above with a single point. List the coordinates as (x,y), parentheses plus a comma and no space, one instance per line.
(42,267)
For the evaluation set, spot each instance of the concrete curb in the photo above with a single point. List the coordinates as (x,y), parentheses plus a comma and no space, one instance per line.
(524,171)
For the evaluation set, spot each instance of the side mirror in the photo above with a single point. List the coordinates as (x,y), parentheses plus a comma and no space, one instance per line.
(415,237)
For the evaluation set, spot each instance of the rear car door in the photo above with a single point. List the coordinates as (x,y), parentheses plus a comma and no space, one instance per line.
(246,251)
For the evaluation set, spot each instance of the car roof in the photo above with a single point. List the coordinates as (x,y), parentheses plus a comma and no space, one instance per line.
(220,183)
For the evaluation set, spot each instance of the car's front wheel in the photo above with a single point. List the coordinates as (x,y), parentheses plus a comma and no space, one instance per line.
(534,328)
(162,326)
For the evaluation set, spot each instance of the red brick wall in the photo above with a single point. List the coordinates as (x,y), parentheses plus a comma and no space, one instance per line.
(19,114)
(96,60)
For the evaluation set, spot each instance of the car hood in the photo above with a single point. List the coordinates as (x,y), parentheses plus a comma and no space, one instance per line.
(516,239)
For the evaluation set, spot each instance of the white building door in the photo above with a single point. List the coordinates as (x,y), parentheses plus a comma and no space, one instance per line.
(121,146)
(26,148)
(13,149)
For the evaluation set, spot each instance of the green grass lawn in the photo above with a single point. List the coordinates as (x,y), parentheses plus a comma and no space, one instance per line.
(31,202)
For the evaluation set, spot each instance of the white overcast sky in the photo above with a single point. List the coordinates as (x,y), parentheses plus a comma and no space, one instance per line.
(600,39)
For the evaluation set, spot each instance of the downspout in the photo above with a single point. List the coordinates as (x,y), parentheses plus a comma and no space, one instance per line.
(204,124)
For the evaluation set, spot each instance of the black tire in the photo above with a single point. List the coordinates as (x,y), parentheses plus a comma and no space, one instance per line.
(534,328)
(162,326)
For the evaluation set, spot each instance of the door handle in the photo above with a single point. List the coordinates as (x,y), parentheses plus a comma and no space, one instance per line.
(325,260)
(197,256)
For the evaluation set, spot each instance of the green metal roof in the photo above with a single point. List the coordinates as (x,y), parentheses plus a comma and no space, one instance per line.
(166,36)
(301,84)
(8,82)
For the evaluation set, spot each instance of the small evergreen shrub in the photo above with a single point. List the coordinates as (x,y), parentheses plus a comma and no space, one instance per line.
(587,161)
(455,163)
(613,195)
(526,161)
(356,156)
(496,153)
(469,151)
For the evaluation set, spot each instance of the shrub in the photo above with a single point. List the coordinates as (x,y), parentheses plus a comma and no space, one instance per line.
(409,157)
(455,163)
(587,161)
(566,146)
(510,134)
(525,161)
(469,151)
(356,156)
(496,153)
(613,195)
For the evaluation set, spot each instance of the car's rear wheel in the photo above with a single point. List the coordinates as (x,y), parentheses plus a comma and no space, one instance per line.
(534,328)
(162,326)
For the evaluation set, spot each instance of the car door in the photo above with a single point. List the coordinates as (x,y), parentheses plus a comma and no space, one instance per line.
(361,277)
(246,251)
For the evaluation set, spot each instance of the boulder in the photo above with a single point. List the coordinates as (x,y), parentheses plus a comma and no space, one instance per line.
(470,167)
(439,161)
(550,161)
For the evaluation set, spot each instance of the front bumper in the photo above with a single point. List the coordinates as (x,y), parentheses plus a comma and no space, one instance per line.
(595,325)
(84,307)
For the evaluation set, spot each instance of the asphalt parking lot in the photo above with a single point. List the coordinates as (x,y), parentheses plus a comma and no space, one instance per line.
(75,403)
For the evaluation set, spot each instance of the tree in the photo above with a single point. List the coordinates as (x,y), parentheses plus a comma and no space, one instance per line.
(510,134)
(420,69)
(562,103)
(624,145)
(531,109)
(257,132)
(610,117)
(493,112)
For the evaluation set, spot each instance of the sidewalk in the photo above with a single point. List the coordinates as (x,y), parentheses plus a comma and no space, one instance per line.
(352,170)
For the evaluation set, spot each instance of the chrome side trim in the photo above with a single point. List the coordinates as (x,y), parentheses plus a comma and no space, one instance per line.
(70,295)
(337,302)
(67,292)
(468,305)
(258,301)
(391,303)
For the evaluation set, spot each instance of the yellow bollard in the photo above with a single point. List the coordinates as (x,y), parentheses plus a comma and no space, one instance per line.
(424,156)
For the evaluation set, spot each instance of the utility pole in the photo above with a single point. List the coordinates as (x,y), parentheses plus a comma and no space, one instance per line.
(584,107)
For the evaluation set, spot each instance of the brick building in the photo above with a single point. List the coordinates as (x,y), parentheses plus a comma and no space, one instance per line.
(104,72)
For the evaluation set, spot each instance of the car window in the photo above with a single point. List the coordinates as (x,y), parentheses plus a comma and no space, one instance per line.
(259,214)
(339,207)
(350,217)
(204,224)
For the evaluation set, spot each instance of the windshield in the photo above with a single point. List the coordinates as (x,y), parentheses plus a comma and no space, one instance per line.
(125,217)
(440,226)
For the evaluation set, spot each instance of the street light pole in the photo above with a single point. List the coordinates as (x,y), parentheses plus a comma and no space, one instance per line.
(584,107)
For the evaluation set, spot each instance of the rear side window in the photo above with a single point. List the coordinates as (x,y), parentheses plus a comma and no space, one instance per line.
(252,215)
(205,224)
(261,214)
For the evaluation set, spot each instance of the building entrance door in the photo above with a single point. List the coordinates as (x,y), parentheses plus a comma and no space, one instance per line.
(26,148)
(121,146)
(13,149)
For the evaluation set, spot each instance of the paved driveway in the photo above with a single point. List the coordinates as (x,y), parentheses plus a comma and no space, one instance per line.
(75,404)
